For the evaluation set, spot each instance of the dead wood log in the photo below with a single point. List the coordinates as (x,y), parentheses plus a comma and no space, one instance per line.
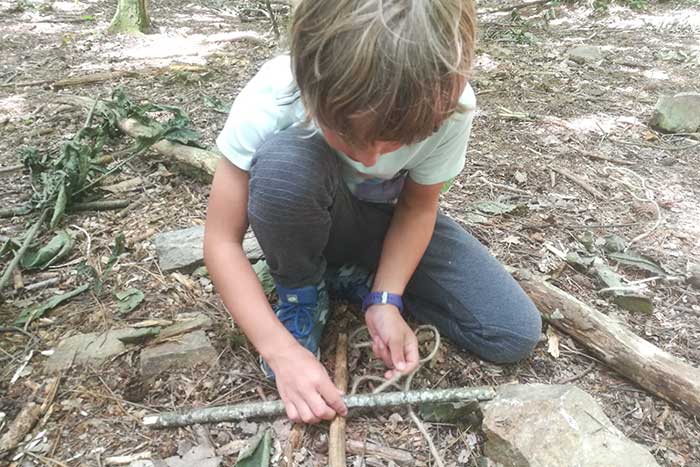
(29,416)
(336,437)
(639,360)
(229,413)
(198,158)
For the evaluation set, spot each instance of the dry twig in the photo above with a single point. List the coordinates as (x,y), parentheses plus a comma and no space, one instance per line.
(336,438)
(579,181)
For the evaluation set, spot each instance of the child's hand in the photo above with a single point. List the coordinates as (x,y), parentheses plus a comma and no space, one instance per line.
(392,340)
(308,393)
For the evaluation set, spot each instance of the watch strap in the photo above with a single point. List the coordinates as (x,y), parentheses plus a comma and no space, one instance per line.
(382,298)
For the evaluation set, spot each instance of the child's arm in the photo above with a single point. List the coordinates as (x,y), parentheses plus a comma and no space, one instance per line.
(405,243)
(303,383)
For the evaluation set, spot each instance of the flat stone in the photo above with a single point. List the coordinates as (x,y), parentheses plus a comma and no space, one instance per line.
(88,349)
(677,114)
(187,351)
(530,425)
(183,249)
(585,54)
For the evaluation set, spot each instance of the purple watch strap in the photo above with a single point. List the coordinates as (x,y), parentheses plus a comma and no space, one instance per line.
(382,298)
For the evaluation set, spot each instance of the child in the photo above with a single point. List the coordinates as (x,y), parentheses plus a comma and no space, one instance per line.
(336,155)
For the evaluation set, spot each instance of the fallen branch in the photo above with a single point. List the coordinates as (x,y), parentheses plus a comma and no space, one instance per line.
(336,437)
(199,158)
(276,407)
(105,205)
(28,239)
(579,181)
(399,456)
(642,362)
(28,417)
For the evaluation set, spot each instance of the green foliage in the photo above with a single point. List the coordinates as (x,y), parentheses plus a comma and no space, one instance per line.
(59,247)
(128,300)
(66,179)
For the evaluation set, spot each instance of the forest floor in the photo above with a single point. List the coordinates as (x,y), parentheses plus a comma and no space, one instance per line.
(539,112)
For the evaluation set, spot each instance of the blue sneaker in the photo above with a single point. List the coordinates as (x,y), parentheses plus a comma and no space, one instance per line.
(349,282)
(303,312)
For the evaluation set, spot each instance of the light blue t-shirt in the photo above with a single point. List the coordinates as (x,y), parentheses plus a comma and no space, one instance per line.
(267,105)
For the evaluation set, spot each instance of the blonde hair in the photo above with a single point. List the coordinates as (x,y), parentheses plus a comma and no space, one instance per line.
(382,70)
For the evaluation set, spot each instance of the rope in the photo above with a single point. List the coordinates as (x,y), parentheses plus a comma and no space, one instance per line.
(394,381)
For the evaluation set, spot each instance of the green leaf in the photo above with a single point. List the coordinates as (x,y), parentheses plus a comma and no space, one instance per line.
(263,271)
(630,258)
(634,303)
(30,314)
(59,246)
(257,454)
(9,245)
(622,297)
(496,208)
(128,300)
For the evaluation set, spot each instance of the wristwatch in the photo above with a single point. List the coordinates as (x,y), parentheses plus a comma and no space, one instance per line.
(382,298)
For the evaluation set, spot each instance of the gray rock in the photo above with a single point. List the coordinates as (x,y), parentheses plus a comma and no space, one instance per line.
(550,426)
(180,249)
(88,349)
(585,54)
(677,114)
(183,249)
(189,350)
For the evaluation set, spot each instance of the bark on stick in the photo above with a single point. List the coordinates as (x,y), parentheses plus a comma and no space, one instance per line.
(639,360)
(336,438)
(275,408)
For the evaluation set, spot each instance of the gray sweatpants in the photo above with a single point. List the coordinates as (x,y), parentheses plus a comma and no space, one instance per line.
(305,217)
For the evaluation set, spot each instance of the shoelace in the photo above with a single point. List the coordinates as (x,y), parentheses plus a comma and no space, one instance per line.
(297,318)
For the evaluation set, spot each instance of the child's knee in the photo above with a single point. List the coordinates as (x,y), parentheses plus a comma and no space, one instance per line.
(507,342)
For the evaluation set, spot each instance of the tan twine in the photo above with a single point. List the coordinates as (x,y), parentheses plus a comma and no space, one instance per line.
(394,381)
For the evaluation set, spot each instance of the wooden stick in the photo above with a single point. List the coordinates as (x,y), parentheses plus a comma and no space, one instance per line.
(104,205)
(28,416)
(276,407)
(296,436)
(579,181)
(400,456)
(195,157)
(336,438)
(642,362)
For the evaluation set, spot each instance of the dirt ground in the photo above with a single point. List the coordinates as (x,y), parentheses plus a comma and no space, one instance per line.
(538,111)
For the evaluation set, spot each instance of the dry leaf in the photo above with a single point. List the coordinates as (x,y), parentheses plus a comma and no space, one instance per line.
(552,342)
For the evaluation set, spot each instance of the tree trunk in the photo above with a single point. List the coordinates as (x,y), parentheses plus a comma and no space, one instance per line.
(131,17)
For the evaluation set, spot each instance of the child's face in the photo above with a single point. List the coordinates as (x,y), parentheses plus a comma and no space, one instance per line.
(368,155)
